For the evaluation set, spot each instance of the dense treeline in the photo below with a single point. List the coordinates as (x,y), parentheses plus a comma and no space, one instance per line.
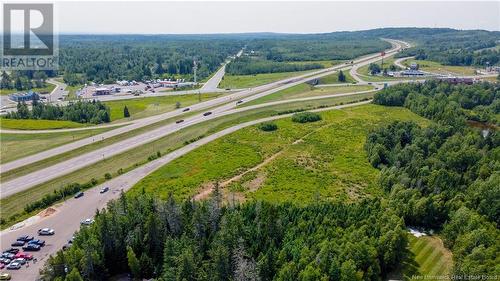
(446,103)
(24,80)
(93,112)
(247,65)
(447,175)
(255,241)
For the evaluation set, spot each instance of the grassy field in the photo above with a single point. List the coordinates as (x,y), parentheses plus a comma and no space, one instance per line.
(248,81)
(306,90)
(48,88)
(436,67)
(29,124)
(324,63)
(334,78)
(14,146)
(143,107)
(137,156)
(428,259)
(324,158)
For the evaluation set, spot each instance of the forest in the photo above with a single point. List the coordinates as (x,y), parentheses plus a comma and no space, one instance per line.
(210,240)
(93,112)
(446,176)
(247,66)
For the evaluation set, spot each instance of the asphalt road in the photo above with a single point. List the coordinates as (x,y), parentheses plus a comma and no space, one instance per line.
(229,102)
(66,220)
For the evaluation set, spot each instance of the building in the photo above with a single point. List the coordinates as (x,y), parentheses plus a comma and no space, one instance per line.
(412,72)
(102,91)
(29,96)
(413,66)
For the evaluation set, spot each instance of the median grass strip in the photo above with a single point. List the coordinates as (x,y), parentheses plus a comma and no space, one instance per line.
(323,158)
(15,146)
(137,156)
(334,78)
(31,124)
(248,81)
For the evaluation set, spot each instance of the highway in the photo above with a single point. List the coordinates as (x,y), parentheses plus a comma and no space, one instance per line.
(228,102)
(66,219)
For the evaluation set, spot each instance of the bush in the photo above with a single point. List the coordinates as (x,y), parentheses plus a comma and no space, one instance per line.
(306,117)
(108,176)
(268,126)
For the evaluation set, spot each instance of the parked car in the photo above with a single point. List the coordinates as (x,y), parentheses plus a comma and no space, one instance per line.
(14,265)
(87,222)
(31,247)
(18,243)
(5,261)
(38,242)
(11,250)
(79,194)
(186,109)
(207,113)
(179,121)
(23,255)
(4,276)
(104,189)
(7,255)
(2,266)
(25,238)
(20,260)
(46,231)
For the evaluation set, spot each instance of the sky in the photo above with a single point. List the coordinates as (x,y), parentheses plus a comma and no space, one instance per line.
(190,17)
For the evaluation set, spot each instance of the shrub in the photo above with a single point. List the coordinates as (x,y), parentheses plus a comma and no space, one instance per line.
(108,176)
(305,117)
(268,126)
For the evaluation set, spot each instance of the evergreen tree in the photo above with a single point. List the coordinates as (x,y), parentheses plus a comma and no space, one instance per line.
(341,76)
(126,113)
(133,263)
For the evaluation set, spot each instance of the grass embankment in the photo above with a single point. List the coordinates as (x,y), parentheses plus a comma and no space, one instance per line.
(138,156)
(31,124)
(48,88)
(436,67)
(324,158)
(15,146)
(249,81)
(428,260)
(306,90)
(144,107)
(334,78)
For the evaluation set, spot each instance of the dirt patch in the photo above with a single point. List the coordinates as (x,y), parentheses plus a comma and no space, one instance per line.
(256,183)
(205,190)
(47,212)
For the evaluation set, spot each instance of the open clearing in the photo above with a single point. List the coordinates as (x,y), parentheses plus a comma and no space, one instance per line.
(249,81)
(435,67)
(137,156)
(48,88)
(15,146)
(30,124)
(329,161)
(306,90)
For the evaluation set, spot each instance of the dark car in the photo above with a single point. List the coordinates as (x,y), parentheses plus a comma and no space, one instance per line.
(185,109)
(7,255)
(31,247)
(79,194)
(18,243)
(37,242)
(238,102)
(25,238)
(104,190)
(207,113)
(179,121)
(11,250)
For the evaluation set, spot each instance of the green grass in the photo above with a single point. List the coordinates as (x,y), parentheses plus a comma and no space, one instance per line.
(15,146)
(435,67)
(143,107)
(30,124)
(329,162)
(137,156)
(427,258)
(305,90)
(248,81)
(48,88)
(334,78)
(324,63)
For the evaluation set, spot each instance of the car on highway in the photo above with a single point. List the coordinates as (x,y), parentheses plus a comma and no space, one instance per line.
(46,231)
(38,242)
(18,243)
(4,276)
(238,102)
(23,255)
(31,247)
(207,113)
(87,222)
(186,109)
(79,194)
(14,265)
(104,189)
(179,121)
(25,238)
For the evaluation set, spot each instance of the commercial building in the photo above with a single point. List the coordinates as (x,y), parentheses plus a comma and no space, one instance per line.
(102,91)
(29,96)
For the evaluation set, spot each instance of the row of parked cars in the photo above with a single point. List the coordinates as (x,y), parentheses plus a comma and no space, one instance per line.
(14,258)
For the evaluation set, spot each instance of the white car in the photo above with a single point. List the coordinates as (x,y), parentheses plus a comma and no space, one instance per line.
(20,260)
(46,231)
(87,222)
(14,265)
